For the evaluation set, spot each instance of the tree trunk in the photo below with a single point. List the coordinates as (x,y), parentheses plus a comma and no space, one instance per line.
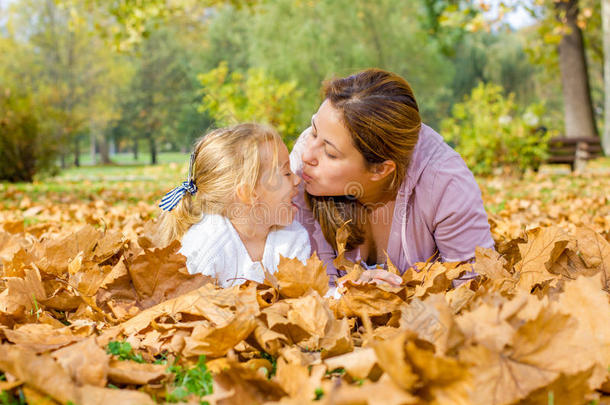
(104,155)
(579,118)
(606,34)
(92,140)
(153,149)
(76,151)
(135,149)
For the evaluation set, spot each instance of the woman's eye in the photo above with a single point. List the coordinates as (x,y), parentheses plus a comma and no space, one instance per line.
(288,174)
(330,156)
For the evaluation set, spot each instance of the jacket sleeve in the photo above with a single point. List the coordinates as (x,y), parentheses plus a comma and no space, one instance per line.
(460,222)
(305,217)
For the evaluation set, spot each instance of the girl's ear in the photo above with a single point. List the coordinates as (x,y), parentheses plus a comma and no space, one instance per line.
(382,170)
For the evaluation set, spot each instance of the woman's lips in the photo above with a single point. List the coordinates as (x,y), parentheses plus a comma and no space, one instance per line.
(306,177)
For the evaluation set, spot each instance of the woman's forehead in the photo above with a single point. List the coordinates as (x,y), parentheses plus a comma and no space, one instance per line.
(328,123)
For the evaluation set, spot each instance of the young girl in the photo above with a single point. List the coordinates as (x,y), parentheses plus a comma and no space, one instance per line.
(235,213)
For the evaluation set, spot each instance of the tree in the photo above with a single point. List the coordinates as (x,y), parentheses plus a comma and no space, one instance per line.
(560,23)
(579,117)
(69,69)
(233,98)
(161,91)
(606,39)
(25,148)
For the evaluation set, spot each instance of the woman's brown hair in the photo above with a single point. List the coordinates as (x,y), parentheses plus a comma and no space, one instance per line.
(379,110)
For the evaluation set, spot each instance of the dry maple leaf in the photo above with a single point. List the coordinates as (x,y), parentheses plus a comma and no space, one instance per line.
(543,247)
(296,279)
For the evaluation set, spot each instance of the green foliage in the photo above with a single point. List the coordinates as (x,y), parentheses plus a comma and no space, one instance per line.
(25,149)
(309,42)
(491,131)
(272,360)
(194,381)
(254,96)
(6,398)
(318,394)
(123,351)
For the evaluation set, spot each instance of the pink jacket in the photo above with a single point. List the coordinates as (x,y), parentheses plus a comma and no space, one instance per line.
(438,207)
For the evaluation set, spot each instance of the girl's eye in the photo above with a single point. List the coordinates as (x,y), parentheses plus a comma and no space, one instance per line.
(288,174)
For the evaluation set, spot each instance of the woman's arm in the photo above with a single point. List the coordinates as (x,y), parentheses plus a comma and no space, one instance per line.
(459,221)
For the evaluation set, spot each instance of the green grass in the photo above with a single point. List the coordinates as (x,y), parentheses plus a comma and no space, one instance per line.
(143,158)
(190,381)
(123,351)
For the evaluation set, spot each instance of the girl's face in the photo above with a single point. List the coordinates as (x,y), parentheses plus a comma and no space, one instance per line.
(276,189)
(332,166)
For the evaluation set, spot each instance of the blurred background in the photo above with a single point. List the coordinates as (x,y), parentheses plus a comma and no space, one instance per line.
(86,83)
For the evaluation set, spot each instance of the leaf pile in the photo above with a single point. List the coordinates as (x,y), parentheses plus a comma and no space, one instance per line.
(94,311)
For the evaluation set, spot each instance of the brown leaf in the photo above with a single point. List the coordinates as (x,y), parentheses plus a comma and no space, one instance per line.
(491,264)
(564,390)
(586,302)
(40,372)
(595,251)
(391,358)
(542,249)
(295,279)
(437,277)
(299,381)
(11,244)
(22,294)
(359,364)
(91,395)
(109,245)
(337,340)
(540,350)
(208,301)
(432,320)
(217,341)
(382,392)
(241,385)
(40,337)
(160,274)
(311,313)
(86,362)
(55,255)
(130,372)
(35,397)
(366,299)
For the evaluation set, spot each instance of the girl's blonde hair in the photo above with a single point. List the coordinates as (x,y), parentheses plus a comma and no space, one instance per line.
(226,159)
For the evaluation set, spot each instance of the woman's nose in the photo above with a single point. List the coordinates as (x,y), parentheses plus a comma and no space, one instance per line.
(309,152)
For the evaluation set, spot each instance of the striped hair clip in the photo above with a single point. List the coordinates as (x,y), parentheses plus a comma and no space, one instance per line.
(171,199)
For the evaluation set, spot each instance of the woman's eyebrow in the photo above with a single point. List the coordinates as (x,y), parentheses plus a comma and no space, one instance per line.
(313,124)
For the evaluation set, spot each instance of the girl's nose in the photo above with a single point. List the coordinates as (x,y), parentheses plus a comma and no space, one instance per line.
(296,180)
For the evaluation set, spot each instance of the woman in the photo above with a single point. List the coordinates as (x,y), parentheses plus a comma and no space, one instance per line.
(368,160)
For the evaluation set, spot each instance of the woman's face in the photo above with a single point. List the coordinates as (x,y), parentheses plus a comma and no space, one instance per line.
(332,166)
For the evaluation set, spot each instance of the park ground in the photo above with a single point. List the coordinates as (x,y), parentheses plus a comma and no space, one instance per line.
(85,289)
(132,189)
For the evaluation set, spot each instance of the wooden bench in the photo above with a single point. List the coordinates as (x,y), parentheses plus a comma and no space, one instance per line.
(574,151)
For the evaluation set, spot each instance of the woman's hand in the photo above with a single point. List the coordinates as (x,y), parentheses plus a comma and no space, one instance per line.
(378,276)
